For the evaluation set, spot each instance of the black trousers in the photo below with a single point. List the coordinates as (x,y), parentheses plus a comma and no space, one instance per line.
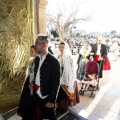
(47,113)
(29,109)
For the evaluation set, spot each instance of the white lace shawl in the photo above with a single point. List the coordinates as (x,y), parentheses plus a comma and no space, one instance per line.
(69,75)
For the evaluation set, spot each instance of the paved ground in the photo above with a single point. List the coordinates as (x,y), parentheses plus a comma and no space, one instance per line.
(106,104)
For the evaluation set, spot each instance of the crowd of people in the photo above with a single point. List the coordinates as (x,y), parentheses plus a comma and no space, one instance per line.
(51,80)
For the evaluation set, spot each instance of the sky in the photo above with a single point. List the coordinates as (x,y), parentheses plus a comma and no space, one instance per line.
(105,14)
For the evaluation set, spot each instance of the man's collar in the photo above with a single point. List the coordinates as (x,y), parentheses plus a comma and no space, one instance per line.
(43,55)
(99,44)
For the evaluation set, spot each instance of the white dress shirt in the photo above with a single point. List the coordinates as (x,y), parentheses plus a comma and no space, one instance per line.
(98,49)
(37,79)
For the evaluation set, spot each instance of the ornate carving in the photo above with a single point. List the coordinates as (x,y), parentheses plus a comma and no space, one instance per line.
(16,37)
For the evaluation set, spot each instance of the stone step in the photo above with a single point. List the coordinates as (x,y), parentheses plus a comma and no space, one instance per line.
(61,115)
(15,117)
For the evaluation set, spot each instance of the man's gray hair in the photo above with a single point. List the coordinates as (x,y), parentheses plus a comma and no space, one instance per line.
(44,38)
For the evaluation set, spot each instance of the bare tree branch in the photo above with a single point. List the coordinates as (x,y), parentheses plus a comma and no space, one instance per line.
(62,21)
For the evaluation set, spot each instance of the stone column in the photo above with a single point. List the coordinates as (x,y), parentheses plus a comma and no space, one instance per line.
(42,16)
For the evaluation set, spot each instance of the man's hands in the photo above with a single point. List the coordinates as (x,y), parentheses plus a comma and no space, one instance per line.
(100,58)
(49,105)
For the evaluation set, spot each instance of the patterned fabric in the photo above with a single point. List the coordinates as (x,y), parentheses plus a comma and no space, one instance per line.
(30,68)
(64,102)
(30,71)
(81,71)
(67,71)
(67,67)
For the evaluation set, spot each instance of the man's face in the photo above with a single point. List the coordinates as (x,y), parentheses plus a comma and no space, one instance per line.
(40,46)
(99,40)
(85,45)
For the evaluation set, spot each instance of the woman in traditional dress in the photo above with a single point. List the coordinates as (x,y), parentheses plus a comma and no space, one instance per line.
(26,104)
(83,58)
(68,93)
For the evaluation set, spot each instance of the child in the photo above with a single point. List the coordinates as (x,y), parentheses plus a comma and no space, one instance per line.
(92,70)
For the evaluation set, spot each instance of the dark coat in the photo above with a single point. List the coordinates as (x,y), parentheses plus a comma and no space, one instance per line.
(49,84)
(103,50)
(26,104)
(50,50)
(49,77)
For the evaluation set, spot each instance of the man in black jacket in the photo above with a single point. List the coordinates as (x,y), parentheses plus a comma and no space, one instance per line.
(99,53)
(46,79)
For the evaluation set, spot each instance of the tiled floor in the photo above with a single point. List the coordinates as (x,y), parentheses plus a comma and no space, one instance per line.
(106,104)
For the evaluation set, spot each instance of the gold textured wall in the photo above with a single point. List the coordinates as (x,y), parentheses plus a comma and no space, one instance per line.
(16,37)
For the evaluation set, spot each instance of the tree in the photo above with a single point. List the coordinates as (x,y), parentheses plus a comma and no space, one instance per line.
(63,20)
